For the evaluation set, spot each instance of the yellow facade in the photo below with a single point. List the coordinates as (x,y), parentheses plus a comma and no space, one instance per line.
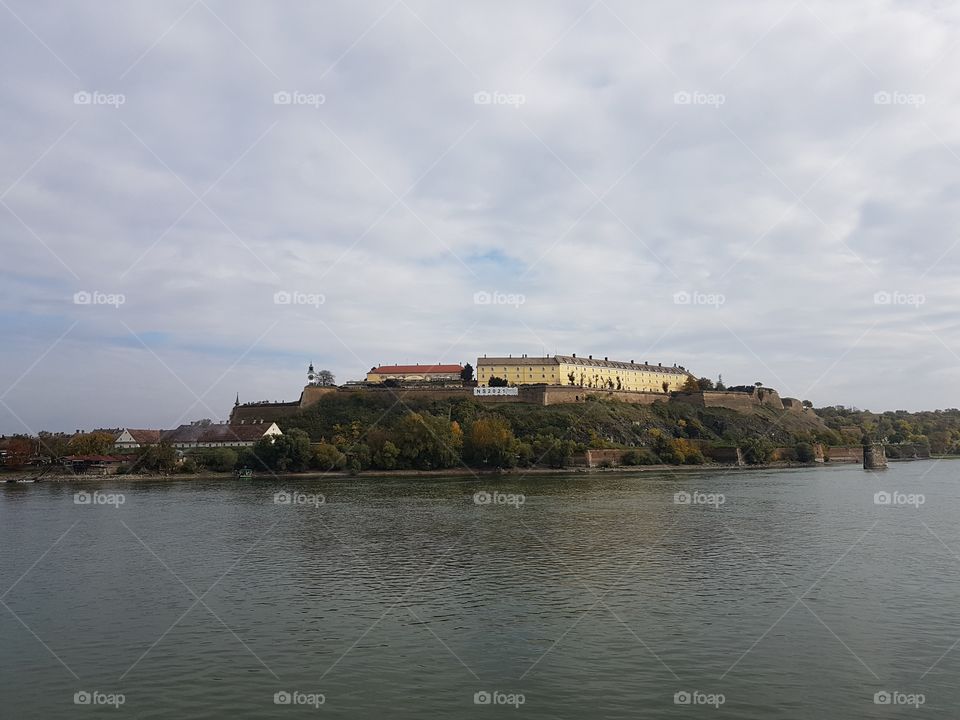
(581,372)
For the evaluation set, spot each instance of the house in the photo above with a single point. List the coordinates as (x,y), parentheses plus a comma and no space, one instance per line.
(414,373)
(131,439)
(189,437)
(94,464)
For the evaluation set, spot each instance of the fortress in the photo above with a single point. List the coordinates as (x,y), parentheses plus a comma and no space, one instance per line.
(550,380)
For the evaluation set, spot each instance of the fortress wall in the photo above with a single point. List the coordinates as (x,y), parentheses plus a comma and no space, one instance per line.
(848,453)
(793,405)
(740,401)
(731,455)
(559,394)
(594,458)
(312,394)
(274,412)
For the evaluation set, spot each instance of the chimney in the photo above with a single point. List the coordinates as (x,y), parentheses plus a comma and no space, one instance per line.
(605,357)
(591,357)
(574,355)
(631,362)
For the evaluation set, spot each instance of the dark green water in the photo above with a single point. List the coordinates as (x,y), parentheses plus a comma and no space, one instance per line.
(597,597)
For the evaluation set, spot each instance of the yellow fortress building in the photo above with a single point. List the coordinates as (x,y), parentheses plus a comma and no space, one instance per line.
(582,372)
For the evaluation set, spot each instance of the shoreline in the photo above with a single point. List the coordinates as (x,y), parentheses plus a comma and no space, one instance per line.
(449,472)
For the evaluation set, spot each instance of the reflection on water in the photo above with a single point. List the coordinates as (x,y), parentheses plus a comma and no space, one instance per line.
(596,596)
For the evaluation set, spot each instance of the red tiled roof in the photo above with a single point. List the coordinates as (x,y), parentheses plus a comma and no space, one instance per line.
(145,437)
(393,369)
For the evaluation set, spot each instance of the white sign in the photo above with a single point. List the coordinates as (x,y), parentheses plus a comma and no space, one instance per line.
(481,391)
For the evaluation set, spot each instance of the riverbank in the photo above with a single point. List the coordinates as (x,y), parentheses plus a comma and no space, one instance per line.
(449,472)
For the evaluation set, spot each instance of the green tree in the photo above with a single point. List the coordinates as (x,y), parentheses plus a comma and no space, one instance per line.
(805,452)
(467,373)
(215,459)
(496,381)
(428,442)
(756,450)
(289,452)
(156,458)
(327,457)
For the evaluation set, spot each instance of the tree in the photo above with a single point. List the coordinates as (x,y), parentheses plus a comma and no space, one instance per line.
(215,459)
(19,451)
(496,381)
(490,442)
(53,446)
(428,442)
(327,457)
(756,450)
(289,452)
(156,458)
(572,378)
(691,385)
(95,443)
(666,386)
(325,378)
(705,383)
(387,456)
(805,452)
(467,373)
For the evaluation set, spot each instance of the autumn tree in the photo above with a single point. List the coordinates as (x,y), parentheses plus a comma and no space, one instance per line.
(95,443)
(490,442)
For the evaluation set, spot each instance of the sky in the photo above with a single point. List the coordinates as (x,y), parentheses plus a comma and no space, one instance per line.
(200,197)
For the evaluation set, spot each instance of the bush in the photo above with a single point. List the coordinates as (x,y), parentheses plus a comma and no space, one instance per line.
(641,456)
(326,457)
(805,452)
(216,459)
(756,450)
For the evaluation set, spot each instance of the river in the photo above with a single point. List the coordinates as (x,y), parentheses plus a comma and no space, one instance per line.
(721,593)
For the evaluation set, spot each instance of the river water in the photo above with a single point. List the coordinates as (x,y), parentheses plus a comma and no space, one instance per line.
(771,594)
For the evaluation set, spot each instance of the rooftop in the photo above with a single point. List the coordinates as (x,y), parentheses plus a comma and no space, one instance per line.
(585,361)
(393,369)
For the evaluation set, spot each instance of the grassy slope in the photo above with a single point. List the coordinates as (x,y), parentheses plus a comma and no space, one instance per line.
(606,421)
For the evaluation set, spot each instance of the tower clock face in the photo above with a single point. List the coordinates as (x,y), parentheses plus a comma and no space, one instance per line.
(311,376)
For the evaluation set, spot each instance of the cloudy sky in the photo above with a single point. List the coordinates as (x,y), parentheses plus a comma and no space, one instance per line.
(200,197)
